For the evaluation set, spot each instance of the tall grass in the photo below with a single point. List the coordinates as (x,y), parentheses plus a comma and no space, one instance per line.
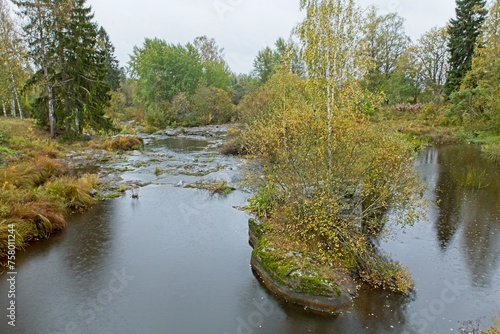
(38,210)
(492,151)
(36,192)
(74,193)
(32,173)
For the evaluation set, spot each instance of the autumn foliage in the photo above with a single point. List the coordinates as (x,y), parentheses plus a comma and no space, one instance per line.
(331,205)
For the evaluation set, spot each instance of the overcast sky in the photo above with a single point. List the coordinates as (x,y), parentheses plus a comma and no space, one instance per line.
(241,27)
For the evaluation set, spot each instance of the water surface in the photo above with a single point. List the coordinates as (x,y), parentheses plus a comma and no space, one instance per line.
(177,261)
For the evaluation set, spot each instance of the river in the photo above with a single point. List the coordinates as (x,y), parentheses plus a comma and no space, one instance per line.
(177,259)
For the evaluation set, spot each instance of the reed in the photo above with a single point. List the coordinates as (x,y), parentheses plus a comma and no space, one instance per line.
(474,179)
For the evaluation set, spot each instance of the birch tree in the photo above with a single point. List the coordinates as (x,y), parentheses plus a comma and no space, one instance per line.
(331,43)
(12,62)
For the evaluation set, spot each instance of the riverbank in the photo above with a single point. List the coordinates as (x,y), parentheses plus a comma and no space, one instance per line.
(427,126)
(42,183)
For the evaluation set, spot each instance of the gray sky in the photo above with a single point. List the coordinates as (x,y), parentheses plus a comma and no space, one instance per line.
(241,27)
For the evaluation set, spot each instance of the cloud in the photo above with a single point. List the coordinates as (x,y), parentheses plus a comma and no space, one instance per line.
(241,27)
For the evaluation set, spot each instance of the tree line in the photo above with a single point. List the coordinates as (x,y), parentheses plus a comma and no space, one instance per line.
(58,66)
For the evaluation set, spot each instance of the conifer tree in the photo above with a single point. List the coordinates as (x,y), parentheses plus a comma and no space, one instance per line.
(113,73)
(84,89)
(64,45)
(464,31)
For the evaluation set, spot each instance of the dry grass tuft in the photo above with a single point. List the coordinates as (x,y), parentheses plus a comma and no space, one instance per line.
(47,216)
(123,143)
(31,174)
(74,193)
(35,189)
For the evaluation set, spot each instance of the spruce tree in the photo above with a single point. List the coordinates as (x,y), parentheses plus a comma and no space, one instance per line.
(463,32)
(39,17)
(113,73)
(64,45)
(83,89)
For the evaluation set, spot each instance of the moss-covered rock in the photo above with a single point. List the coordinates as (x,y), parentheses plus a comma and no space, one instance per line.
(256,230)
(296,277)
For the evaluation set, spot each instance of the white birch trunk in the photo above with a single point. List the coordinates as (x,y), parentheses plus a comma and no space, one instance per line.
(52,117)
(13,107)
(20,108)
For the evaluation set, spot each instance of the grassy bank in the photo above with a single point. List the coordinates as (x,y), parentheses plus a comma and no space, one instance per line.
(37,190)
(423,125)
(426,125)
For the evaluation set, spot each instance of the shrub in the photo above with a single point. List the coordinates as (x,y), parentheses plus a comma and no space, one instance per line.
(210,105)
(335,174)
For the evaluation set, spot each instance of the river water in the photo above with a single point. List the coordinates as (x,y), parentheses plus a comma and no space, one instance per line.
(177,259)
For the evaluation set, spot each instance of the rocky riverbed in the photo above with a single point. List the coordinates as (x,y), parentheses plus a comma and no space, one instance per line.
(181,157)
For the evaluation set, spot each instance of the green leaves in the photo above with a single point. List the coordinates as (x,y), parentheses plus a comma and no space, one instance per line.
(164,70)
(265,64)
(175,82)
(73,60)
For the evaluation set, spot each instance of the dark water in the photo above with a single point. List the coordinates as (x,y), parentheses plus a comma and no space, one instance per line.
(177,261)
(181,144)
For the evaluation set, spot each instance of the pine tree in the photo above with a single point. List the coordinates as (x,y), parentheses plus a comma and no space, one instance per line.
(463,31)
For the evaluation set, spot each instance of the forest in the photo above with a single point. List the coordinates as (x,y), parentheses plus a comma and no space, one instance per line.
(58,67)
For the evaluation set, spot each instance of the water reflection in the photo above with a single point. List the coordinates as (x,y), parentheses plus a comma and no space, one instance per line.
(189,255)
(474,211)
(180,144)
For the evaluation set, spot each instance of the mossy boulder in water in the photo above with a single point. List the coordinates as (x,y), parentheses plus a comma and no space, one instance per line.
(296,277)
